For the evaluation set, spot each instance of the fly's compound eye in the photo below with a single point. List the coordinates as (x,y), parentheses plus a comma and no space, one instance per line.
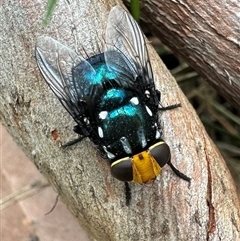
(122,169)
(161,153)
(143,167)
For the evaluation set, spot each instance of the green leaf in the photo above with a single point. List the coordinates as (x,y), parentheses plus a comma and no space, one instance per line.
(50,7)
(135,9)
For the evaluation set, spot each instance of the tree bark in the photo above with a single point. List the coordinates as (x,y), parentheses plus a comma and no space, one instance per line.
(170,208)
(205,34)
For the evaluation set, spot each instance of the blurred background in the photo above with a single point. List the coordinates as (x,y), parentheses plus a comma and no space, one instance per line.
(26,198)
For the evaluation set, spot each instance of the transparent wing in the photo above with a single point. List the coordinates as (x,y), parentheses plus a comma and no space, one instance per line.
(124,36)
(56,63)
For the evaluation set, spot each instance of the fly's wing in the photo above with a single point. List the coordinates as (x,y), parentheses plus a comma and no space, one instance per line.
(56,63)
(124,36)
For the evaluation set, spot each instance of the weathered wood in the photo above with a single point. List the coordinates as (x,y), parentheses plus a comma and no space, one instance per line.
(169,209)
(205,34)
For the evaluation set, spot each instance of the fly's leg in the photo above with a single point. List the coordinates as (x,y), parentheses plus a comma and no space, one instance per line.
(169,107)
(178,173)
(70,143)
(128,194)
(79,131)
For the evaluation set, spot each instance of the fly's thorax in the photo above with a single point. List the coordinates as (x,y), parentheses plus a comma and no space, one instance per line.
(125,124)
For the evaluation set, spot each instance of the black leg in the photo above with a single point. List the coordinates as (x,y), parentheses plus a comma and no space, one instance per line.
(170,107)
(70,143)
(54,205)
(178,173)
(128,193)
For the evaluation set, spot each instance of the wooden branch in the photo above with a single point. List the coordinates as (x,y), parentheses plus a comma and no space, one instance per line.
(168,209)
(205,34)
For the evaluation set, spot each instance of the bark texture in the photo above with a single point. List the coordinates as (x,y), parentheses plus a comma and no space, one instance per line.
(206,34)
(169,209)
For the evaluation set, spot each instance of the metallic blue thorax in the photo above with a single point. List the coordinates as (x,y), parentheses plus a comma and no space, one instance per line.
(118,113)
